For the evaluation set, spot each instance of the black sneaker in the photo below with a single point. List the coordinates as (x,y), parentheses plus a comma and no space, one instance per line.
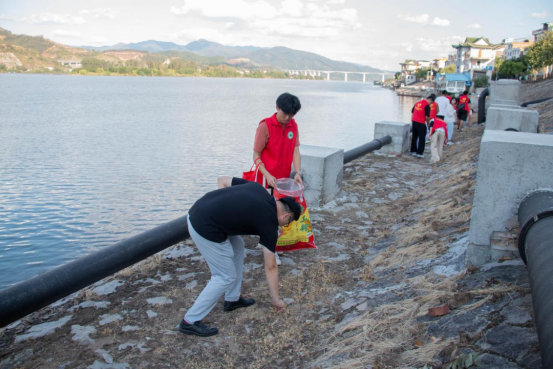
(241,303)
(197,329)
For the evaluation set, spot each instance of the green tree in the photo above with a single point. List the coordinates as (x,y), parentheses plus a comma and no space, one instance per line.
(94,63)
(83,72)
(422,73)
(397,75)
(449,69)
(540,54)
(481,82)
(511,69)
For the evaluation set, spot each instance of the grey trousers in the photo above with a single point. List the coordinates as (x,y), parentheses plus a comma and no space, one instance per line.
(226,263)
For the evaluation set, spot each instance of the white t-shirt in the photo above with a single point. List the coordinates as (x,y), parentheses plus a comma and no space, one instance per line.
(449,115)
(442,102)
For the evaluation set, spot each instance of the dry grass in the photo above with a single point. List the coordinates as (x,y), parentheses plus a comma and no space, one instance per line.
(143,267)
(391,335)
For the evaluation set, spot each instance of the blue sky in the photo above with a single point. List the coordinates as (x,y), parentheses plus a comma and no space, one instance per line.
(371,32)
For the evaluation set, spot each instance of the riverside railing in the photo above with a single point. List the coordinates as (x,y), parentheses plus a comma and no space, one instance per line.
(35,293)
(374,145)
(535,214)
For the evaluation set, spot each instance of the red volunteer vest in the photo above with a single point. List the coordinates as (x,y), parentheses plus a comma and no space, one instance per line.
(433,110)
(419,115)
(438,123)
(449,98)
(279,151)
(464,99)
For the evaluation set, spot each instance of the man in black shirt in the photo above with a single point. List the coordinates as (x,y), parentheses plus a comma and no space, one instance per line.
(215,223)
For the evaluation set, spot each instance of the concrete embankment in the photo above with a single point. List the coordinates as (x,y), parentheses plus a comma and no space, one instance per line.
(391,246)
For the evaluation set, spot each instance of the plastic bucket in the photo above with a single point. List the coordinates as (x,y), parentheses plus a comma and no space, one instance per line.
(287,187)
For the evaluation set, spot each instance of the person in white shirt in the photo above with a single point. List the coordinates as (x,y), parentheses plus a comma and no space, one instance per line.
(442,102)
(450,117)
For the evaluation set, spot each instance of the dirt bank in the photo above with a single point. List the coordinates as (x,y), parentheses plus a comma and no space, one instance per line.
(390,247)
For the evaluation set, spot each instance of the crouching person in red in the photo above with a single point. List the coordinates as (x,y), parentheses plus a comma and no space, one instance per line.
(438,135)
(215,222)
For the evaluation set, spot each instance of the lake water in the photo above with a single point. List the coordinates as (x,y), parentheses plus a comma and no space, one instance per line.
(88,161)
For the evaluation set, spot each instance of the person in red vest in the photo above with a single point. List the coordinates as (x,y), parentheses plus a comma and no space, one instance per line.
(438,135)
(434,111)
(419,119)
(277,143)
(463,111)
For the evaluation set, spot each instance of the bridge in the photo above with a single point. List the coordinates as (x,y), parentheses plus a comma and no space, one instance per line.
(317,73)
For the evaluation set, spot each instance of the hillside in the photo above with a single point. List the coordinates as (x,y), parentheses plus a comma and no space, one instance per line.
(276,57)
(284,57)
(34,52)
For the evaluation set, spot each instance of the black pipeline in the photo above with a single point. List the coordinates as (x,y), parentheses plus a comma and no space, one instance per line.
(482,106)
(535,214)
(375,144)
(35,293)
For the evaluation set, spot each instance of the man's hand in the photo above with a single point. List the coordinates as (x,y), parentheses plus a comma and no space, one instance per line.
(297,179)
(280,306)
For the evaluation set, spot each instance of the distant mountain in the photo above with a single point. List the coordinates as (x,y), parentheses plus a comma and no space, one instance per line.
(208,48)
(283,57)
(276,57)
(152,46)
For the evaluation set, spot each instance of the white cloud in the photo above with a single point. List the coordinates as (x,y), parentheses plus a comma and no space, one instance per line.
(240,9)
(474,25)
(292,8)
(60,32)
(6,17)
(439,46)
(539,15)
(229,24)
(339,2)
(52,18)
(293,18)
(407,46)
(440,22)
(108,13)
(423,18)
(98,39)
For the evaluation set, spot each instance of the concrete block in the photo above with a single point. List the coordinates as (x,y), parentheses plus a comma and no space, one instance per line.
(323,173)
(511,165)
(400,136)
(522,120)
(505,92)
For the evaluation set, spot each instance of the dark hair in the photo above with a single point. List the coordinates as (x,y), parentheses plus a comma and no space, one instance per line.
(465,92)
(288,103)
(432,96)
(444,92)
(454,98)
(291,206)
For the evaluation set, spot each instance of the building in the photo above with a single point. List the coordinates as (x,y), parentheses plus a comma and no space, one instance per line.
(476,57)
(409,69)
(451,59)
(516,49)
(439,63)
(540,33)
(71,63)
(454,83)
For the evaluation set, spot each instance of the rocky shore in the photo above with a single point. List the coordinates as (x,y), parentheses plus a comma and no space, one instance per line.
(391,247)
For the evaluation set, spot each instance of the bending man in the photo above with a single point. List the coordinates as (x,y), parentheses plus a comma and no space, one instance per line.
(215,223)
